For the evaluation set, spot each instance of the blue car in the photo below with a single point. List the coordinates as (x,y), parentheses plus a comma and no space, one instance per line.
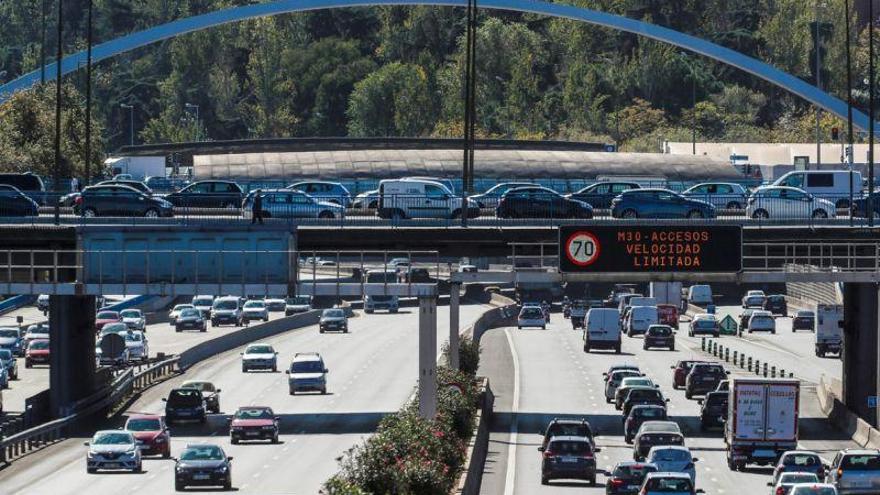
(14,203)
(658,203)
(601,194)
(12,339)
(860,205)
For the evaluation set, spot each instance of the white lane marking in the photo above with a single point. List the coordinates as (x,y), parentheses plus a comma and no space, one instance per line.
(510,478)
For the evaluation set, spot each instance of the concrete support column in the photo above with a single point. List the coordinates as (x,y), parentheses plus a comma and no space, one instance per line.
(427,357)
(72,353)
(454,293)
(861,348)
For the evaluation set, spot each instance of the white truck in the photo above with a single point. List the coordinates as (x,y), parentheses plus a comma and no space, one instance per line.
(762,421)
(666,293)
(138,167)
(373,302)
(829,329)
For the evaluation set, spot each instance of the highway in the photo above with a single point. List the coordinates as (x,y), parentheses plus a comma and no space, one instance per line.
(373,371)
(538,375)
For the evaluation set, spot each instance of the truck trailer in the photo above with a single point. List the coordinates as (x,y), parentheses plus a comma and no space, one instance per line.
(762,421)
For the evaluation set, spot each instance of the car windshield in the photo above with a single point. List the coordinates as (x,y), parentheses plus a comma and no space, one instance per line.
(260,349)
(569,430)
(189,312)
(642,394)
(531,313)
(636,382)
(203,301)
(298,301)
(203,386)
(113,438)
(255,304)
(792,478)
(670,455)
(131,313)
(185,397)
(254,413)
(761,319)
(108,315)
(866,462)
(704,323)
(635,473)
(202,453)
(143,424)
(226,304)
(39,344)
(307,367)
(660,331)
(805,314)
(813,490)
(569,447)
(333,313)
(5,354)
(38,329)
(131,336)
(8,333)
(668,485)
(649,412)
(716,400)
(181,307)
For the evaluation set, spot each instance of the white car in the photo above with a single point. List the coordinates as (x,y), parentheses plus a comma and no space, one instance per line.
(531,316)
(43,303)
(113,449)
(614,380)
(137,344)
(204,303)
(666,483)
(297,304)
(275,304)
(813,489)
(754,299)
(35,332)
(133,319)
(787,480)
(704,323)
(259,356)
(673,459)
(777,202)
(762,321)
(254,310)
(175,312)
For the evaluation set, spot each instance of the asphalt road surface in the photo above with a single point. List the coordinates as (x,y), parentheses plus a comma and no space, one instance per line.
(541,374)
(373,370)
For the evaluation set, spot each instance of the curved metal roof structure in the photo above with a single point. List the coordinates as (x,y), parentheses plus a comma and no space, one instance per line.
(736,59)
(500,164)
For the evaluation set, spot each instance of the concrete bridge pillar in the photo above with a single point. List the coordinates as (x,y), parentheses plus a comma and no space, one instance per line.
(861,348)
(72,353)
(454,294)
(428,357)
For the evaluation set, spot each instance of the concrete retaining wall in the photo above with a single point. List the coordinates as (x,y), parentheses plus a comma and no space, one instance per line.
(478,447)
(861,432)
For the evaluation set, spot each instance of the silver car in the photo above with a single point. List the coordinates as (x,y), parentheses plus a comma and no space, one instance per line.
(259,357)
(113,449)
(855,471)
(9,363)
(725,195)
(254,310)
(133,319)
(285,203)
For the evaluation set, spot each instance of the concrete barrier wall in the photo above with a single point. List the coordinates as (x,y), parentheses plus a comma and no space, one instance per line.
(859,430)
(478,447)
(233,340)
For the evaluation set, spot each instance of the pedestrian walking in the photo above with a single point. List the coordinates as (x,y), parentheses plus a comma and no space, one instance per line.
(258,207)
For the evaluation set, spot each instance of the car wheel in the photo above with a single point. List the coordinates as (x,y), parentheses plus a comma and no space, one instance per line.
(456,214)
(842,204)
(716,335)
(733,205)
(275,438)
(617,349)
(227,486)
(244,369)
(326,215)
(178,487)
(233,440)
(139,468)
(397,216)
(321,330)
(274,369)
(820,213)
(204,329)
(27,364)
(629,213)
(760,214)
(151,213)
(544,480)
(586,347)
(695,214)
(90,213)
(672,347)
(91,470)
(324,391)
(687,395)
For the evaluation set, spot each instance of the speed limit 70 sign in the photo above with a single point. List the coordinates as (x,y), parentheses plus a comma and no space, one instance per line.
(582,248)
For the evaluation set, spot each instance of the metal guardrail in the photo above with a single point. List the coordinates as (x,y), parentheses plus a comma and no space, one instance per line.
(124,385)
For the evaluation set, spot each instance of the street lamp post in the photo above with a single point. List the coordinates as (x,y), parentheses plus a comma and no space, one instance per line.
(59,58)
(869,203)
(130,109)
(693,103)
(88,164)
(818,86)
(849,112)
(195,108)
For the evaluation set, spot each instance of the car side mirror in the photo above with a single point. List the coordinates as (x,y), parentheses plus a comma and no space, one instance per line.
(241,354)
(667,400)
(700,401)
(230,458)
(326,370)
(86,444)
(700,490)
(597,450)
(657,386)
(540,449)
(286,372)
(672,367)
(726,372)
(277,418)
(218,391)
(770,483)
(164,400)
(695,459)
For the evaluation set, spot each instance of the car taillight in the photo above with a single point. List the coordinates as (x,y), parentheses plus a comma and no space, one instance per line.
(616,482)
(548,454)
(839,473)
(780,490)
(78,200)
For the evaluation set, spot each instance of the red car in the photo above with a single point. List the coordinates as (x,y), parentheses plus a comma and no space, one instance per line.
(151,430)
(37,353)
(106,317)
(667,314)
(680,373)
(254,423)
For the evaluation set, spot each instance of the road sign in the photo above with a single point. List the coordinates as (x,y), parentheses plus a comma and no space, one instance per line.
(872,401)
(728,325)
(649,248)
(582,248)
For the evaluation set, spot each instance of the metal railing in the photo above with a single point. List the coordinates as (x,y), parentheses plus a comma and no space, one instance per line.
(445,211)
(126,384)
(854,256)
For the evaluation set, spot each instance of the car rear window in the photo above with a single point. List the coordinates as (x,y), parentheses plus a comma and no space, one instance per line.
(531,313)
(568,430)
(801,460)
(143,425)
(185,397)
(660,331)
(671,455)
(570,447)
(307,367)
(866,462)
(792,478)
(635,472)
(641,394)
(649,412)
(669,485)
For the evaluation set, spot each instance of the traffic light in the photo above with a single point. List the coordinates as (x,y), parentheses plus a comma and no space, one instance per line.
(835,134)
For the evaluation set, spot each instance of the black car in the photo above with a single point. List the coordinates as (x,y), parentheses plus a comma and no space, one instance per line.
(713,409)
(185,404)
(191,319)
(627,477)
(140,186)
(704,378)
(744,318)
(642,396)
(210,393)
(333,319)
(860,206)
(776,305)
(540,202)
(208,194)
(29,184)
(567,428)
(660,336)
(120,201)
(654,434)
(569,458)
(638,415)
(803,320)
(599,195)
(202,465)
(14,203)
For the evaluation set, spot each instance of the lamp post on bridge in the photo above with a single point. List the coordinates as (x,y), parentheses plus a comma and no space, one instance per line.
(130,109)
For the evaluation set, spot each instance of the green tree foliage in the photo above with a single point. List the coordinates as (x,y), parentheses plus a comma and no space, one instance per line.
(392,101)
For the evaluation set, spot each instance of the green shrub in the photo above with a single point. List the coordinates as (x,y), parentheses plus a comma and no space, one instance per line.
(469,356)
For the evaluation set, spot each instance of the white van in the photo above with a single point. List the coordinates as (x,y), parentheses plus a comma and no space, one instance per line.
(640,318)
(415,198)
(643,301)
(387,302)
(831,185)
(603,329)
(700,295)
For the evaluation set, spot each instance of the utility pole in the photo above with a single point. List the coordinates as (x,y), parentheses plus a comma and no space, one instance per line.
(130,109)
(59,55)
(469,109)
(88,167)
(818,86)
(869,203)
(849,112)
(43,15)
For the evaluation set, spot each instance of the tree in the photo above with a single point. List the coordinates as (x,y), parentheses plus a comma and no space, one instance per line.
(392,101)
(637,119)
